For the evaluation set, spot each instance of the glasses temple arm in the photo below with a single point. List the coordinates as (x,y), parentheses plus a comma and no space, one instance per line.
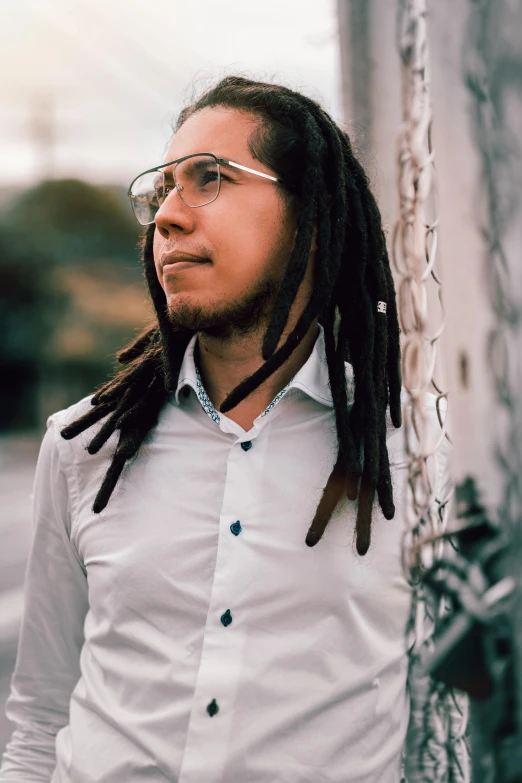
(245,168)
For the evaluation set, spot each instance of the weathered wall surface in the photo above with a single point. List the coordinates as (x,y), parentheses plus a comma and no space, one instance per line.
(476,418)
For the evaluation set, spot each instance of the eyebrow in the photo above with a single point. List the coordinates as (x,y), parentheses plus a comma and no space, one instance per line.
(230,164)
(196,163)
(232,167)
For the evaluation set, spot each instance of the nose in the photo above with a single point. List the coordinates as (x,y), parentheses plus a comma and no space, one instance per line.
(173,216)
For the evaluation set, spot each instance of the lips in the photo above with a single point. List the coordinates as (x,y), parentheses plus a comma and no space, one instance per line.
(171,259)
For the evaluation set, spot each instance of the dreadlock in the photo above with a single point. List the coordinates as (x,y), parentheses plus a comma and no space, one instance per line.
(316,168)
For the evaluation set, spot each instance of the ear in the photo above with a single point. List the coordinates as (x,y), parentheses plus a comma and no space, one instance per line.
(313,244)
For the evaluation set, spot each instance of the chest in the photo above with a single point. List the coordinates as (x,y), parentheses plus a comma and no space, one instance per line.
(169,538)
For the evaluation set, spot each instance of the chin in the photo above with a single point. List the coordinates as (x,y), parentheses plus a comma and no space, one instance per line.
(222,317)
(195,315)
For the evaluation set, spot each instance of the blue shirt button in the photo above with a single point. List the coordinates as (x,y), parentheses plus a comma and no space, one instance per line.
(212,708)
(236,527)
(246,445)
(226,618)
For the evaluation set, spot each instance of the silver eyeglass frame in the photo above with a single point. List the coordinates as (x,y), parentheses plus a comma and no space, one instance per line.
(179,188)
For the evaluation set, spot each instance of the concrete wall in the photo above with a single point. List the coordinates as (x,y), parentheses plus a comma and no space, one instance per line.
(476,419)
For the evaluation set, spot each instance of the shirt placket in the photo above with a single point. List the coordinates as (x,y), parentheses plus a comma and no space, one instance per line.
(221,665)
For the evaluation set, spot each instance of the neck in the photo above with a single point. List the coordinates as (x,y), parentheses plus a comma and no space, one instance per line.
(225,362)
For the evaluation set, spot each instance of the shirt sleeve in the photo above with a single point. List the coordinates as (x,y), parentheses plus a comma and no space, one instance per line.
(51,633)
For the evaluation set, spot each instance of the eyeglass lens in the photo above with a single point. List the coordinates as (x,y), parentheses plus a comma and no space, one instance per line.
(197,179)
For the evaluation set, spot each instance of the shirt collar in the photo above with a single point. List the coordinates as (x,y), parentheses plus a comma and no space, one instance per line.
(312,378)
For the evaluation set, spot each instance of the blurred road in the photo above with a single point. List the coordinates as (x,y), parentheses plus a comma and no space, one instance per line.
(17,465)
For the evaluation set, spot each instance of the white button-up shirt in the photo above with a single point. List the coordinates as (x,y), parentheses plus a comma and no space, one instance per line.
(187,633)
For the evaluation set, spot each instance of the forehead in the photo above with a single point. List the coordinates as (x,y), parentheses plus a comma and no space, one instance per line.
(225,132)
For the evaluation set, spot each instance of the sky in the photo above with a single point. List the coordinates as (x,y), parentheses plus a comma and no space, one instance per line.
(91,87)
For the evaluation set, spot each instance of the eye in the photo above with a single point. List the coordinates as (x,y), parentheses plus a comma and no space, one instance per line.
(158,193)
(209,176)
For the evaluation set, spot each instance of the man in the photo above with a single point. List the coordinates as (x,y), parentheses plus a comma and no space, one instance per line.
(208,597)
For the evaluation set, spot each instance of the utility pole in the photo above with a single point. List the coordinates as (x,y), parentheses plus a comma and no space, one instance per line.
(42,130)
(356,71)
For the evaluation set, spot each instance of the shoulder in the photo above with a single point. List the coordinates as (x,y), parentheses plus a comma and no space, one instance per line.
(434,411)
(73,450)
(62,418)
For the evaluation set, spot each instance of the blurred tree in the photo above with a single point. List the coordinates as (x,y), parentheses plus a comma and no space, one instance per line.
(71,294)
(28,303)
(78,222)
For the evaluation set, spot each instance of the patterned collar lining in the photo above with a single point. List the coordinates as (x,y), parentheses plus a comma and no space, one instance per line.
(204,399)
(209,408)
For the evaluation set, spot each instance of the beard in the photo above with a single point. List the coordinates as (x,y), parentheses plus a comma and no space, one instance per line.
(224,320)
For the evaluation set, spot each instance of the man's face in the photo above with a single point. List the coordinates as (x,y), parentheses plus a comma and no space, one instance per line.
(246,234)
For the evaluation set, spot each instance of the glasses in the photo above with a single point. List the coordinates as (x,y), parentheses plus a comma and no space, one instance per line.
(197,179)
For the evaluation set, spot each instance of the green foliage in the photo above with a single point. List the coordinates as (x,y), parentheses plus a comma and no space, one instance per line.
(77,222)
(28,303)
(71,294)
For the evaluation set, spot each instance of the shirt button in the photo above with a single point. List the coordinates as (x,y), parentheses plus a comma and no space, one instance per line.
(236,527)
(212,708)
(186,391)
(246,445)
(226,618)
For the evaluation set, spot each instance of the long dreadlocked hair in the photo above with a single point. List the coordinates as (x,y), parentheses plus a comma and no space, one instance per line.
(316,167)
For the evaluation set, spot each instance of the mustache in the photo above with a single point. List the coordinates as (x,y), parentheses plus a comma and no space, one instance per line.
(176,251)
